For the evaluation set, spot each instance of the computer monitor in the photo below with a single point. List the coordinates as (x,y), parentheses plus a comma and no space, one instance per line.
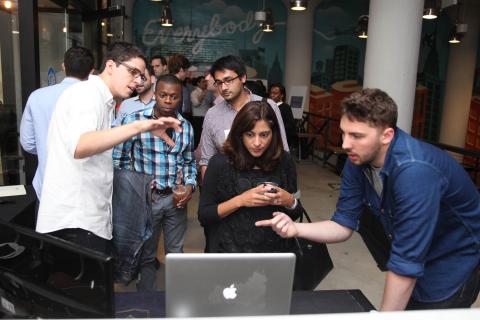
(44,276)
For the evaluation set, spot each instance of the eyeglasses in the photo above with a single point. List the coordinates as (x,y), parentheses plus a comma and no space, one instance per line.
(228,82)
(133,71)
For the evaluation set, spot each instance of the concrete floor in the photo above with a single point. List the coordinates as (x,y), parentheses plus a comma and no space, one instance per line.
(354,268)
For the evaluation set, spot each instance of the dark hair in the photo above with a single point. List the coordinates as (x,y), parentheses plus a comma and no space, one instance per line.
(196,80)
(177,62)
(245,120)
(373,106)
(78,62)
(279,86)
(149,68)
(121,52)
(163,61)
(233,63)
(255,88)
(168,78)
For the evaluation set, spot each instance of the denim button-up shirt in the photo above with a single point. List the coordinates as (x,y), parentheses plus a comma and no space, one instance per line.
(430,209)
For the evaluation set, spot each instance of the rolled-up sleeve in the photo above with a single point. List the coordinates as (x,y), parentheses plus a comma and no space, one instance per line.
(416,194)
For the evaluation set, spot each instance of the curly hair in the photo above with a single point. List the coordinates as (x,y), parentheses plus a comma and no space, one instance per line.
(373,106)
(245,121)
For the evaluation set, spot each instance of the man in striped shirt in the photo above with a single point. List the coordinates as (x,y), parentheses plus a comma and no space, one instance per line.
(170,159)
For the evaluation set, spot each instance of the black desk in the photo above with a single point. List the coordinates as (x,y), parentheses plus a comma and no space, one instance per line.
(146,304)
(14,208)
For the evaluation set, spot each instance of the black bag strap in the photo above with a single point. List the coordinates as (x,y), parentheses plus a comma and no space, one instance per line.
(307,217)
(305,214)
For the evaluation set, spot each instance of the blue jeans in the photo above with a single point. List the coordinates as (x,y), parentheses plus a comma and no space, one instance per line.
(463,298)
(132,221)
(173,221)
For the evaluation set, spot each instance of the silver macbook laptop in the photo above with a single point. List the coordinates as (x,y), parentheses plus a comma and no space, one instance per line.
(228,284)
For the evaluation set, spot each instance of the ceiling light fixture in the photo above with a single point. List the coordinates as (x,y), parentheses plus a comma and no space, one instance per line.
(362,28)
(460,28)
(430,10)
(298,5)
(166,19)
(267,26)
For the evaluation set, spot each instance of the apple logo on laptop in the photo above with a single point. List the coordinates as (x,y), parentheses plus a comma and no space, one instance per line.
(230,292)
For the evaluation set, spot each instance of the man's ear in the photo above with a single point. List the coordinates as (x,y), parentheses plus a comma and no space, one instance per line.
(63,67)
(109,64)
(387,135)
(243,78)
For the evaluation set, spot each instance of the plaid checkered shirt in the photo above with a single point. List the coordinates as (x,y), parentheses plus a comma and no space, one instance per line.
(152,155)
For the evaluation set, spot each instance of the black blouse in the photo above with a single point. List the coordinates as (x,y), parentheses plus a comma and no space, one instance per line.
(237,232)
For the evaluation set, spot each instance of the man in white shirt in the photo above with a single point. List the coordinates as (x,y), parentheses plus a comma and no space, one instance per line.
(77,189)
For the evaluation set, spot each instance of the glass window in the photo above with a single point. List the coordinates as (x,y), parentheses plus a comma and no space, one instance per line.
(11,160)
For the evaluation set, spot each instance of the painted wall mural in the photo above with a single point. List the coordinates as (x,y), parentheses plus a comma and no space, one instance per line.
(337,60)
(205,30)
(339,57)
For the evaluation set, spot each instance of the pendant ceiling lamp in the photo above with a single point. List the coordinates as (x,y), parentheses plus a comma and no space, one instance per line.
(362,28)
(298,5)
(460,28)
(430,10)
(267,26)
(166,18)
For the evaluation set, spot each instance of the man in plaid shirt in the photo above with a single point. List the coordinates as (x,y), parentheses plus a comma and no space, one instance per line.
(171,160)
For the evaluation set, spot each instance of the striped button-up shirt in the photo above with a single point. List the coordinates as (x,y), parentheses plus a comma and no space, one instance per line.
(152,155)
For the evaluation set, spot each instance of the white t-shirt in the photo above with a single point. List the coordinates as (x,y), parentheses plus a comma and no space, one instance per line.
(77,193)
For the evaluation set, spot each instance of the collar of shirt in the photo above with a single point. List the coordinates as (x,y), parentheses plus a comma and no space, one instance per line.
(104,90)
(68,80)
(136,98)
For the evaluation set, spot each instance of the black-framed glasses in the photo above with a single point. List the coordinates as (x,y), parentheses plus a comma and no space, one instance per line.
(133,71)
(228,82)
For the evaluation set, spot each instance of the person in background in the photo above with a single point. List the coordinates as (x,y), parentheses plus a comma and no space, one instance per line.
(202,100)
(76,202)
(247,182)
(277,93)
(426,202)
(159,65)
(144,99)
(77,64)
(169,161)
(178,65)
(263,89)
(229,74)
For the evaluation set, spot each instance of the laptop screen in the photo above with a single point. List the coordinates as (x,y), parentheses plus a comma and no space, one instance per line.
(228,284)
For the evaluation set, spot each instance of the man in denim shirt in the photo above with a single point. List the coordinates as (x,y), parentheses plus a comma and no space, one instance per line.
(428,205)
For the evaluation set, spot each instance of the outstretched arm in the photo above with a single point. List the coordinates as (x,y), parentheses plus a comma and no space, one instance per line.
(324,231)
(94,142)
